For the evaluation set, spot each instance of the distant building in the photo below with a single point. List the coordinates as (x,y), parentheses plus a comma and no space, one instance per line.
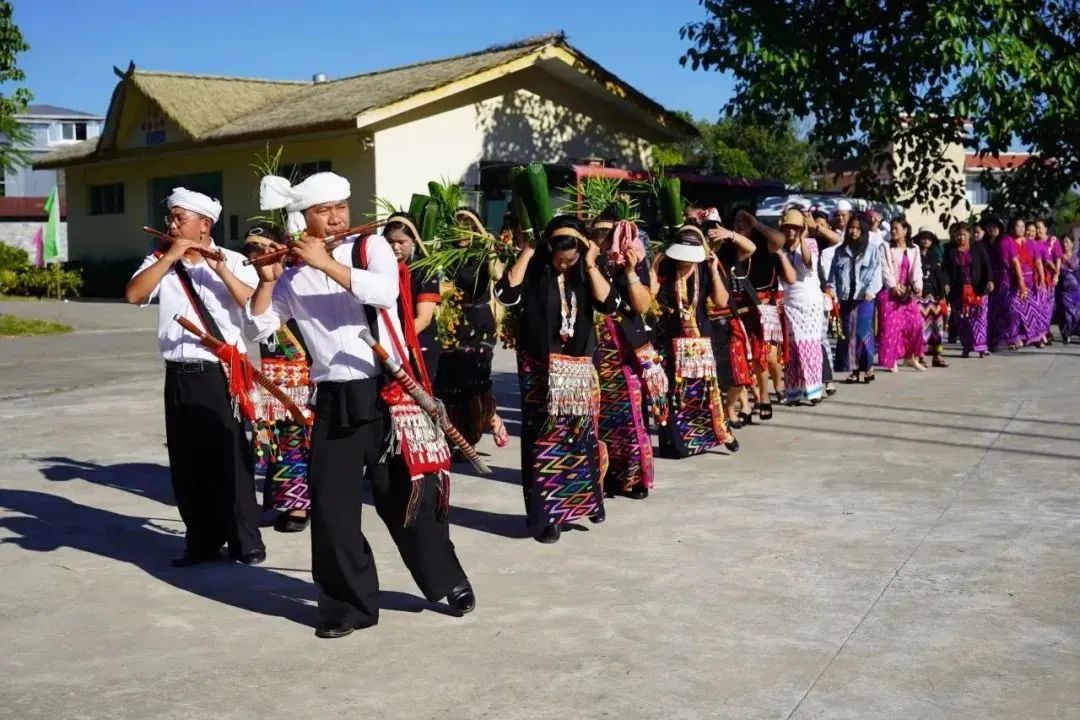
(466,119)
(23,190)
(50,128)
(840,176)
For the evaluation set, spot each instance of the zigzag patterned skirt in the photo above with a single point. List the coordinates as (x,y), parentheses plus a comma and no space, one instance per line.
(283,450)
(621,424)
(934,312)
(562,462)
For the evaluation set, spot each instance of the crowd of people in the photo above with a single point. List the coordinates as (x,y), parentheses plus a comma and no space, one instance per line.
(614,338)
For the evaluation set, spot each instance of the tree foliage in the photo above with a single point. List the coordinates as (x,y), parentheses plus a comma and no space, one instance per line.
(16,134)
(872,75)
(733,146)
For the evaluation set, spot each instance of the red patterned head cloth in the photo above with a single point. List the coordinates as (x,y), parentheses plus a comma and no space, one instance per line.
(623,237)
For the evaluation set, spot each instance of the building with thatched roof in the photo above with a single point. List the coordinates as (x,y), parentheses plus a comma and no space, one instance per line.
(463,118)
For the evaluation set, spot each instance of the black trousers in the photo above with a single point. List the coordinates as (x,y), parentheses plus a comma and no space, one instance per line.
(342,562)
(210,462)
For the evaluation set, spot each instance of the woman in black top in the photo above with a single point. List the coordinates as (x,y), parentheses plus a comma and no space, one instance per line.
(767,267)
(400,232)
(738,340)
(689,276)
(463,380)
(559,288)
(934,302)
(967,265)
(626,360)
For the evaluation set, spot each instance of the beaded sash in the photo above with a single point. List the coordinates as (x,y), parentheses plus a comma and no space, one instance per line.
(694,359)
(291,377)
(573,386)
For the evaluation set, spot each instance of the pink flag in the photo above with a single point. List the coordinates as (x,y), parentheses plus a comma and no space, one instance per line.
(39,248)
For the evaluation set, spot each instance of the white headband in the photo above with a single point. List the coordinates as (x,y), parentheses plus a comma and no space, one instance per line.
(195,202)
(276,193)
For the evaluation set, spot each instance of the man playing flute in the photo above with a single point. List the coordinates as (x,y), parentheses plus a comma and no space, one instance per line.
(210,459)
(333,295)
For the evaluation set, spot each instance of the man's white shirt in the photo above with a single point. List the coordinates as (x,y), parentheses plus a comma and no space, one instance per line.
(330,317)
(176,343)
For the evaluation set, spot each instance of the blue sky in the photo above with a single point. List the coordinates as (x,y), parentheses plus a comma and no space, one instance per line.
(75,44)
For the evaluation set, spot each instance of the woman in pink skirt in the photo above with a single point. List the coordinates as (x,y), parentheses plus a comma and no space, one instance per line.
(901,322)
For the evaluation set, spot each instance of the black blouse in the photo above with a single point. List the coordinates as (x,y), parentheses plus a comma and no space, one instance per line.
(630,322)
(765,266)
(540,309)
(425,289)
(670,319)
(981,269)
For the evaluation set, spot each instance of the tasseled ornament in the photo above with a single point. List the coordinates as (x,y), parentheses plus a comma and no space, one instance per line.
(420,442)
(573,386)
(656,381)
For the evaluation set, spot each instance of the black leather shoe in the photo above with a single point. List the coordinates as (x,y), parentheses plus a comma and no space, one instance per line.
(255,557)
(286,523)
(732,445)
(462,599)
(550,534)
(638,492)
(599,517)
(192,559)
(335,629)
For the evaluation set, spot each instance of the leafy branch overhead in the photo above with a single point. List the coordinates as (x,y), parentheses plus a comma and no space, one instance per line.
(17,135)
(892,83)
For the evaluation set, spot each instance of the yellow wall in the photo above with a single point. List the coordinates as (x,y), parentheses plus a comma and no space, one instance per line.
(524,116)
(119,236)
(927,215)
(514,119)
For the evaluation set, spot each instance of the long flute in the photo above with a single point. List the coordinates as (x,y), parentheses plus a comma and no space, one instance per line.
(272,257)
(205,252)
(426,403)
(214,345)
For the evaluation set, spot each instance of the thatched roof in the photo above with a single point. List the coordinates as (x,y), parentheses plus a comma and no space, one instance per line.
(211,109)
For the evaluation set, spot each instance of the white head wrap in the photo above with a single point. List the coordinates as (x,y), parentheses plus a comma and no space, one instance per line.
(195,202)
(844,206)
(325,187)
(712,214)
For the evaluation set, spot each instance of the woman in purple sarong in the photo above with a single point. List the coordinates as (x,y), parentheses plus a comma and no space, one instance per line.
(1010,288)
(1033,311)
(1068,291)
(1050,250)
(967,264)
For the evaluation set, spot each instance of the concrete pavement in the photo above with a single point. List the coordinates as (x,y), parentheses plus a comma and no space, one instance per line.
(909,549)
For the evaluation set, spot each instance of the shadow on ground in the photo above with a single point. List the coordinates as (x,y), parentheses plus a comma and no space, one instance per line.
(46,523)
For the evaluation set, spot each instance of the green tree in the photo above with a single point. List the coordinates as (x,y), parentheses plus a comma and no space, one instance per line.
(737,147)
(872,76)
(14,133)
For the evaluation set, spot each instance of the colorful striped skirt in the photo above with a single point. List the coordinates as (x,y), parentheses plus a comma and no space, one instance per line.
(856,346)
(282,452)
(697,421)
(562,458)
(621,424)
(935,313)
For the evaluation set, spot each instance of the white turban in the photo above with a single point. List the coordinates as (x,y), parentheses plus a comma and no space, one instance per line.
(195,202)
(276,193)
(844,206)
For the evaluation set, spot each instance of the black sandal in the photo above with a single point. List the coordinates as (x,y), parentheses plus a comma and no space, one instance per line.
(746,418)
(852,378)
(765,411)
(830,390)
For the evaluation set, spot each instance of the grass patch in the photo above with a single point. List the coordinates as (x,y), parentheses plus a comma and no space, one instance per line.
(18,298)
(14,326)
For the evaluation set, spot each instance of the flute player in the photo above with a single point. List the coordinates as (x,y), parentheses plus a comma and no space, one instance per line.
(210,460)
(333,295)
